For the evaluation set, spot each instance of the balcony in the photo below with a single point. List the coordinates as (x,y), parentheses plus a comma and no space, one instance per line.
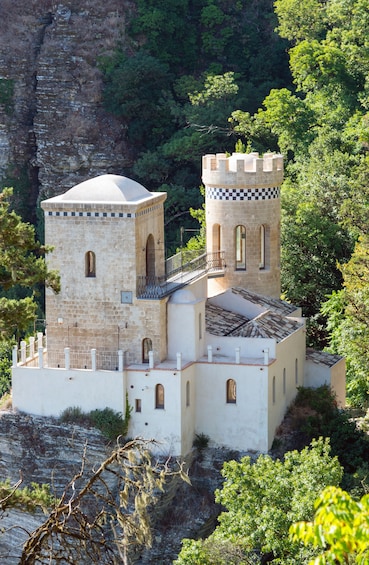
(181,269)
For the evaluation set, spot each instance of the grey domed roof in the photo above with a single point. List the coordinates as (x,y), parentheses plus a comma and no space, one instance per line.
(106,188)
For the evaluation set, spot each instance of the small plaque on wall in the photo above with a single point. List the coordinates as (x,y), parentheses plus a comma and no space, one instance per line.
(126,296)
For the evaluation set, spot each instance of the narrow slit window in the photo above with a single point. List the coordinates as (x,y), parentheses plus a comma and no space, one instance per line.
(240,248)
(187,393)
(138,407)
(262,248)
(90,264)
(231,391)
(159,397)
(146,348)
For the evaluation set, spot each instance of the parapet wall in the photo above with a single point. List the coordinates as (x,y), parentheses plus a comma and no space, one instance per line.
(242,170)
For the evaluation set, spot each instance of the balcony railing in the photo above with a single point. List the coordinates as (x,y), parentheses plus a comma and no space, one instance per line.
(181,269)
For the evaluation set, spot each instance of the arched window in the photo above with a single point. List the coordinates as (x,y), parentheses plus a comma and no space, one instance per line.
(150,258)
(146,347)
(90,264)
(273,391)
(159,396)
(264,262)
(240,248)
(231,391)
(187,393)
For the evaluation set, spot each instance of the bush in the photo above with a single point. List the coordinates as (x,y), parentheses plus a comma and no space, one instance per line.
(5,367)
(324,418)
(110,423)
(201,441)
(74,415)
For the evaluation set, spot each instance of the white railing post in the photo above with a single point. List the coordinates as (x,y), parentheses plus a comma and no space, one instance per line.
(179,361)
(40,336)
(15,356)
(40,357)
(93,359)
(23,345)
(151,359)
(238,358)
(31,346)
(210,354)
(120,360)
(67,358)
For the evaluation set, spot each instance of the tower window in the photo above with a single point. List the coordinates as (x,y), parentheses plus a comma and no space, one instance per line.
(240,247)
(138,405)
(146,348)
(90,264)
(159,396)
(187,393)
(296,371)
(284,381)
(264,261)
(231,391)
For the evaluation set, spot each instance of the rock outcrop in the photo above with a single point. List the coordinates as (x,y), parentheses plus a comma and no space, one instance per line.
(54,130)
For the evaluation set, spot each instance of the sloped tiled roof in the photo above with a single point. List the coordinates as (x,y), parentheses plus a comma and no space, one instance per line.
(271,325)
(267,302)
(222,322)
(322,357)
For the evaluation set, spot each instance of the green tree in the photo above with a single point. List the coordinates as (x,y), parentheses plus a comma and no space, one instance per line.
(262,500)
(340,528)
(347,319)
(21,265)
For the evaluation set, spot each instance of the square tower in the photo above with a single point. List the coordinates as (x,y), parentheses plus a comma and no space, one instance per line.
(106,232)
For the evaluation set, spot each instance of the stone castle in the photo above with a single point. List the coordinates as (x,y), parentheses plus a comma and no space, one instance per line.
(197,344)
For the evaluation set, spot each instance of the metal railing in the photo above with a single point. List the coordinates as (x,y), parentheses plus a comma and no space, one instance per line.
(181,269)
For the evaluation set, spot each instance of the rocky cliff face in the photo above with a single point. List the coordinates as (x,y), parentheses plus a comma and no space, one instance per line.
(43,451)
(54,131)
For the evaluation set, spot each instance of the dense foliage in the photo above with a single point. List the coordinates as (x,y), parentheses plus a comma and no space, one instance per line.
(22,265)
(340,529)
(262,499)
(189,65)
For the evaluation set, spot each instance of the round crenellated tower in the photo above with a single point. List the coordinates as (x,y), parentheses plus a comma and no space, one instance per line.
(242,205)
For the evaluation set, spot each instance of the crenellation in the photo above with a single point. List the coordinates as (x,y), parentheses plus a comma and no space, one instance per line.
(243,170)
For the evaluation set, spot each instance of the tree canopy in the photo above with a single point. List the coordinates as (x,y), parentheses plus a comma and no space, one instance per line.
(340,528)
(261,500)
(22,266)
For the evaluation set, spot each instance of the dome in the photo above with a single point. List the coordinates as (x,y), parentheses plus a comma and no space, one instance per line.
(106,188)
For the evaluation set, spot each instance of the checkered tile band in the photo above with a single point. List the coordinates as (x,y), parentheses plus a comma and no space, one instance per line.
(242,193)
(69,214)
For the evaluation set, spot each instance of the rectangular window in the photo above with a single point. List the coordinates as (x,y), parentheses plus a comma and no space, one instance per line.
(138,404)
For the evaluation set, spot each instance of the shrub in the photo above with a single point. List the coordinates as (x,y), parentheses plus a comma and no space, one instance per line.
(110,423)
(5,367)
(74,415)
(201,441)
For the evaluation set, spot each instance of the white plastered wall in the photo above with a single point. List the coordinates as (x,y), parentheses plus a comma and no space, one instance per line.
(47,392)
